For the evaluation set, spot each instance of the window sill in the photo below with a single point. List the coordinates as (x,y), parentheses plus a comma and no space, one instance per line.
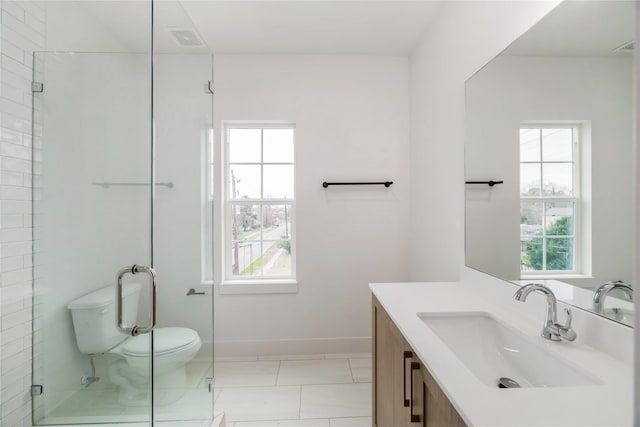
(239,287)
(555,276)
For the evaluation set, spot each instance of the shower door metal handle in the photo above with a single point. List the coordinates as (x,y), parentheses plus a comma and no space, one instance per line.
(136,329)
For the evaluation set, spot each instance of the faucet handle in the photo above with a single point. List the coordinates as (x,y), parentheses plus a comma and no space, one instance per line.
(569,318)
(565,332)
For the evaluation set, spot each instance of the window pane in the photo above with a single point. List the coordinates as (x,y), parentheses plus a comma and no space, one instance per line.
(530,179)
(557,179)
(559,218)
(530,254)
(278,146)
(278,181)
(245,222)
(248,257)
(277,258)
(277,222)
(531,219)
(560,254)
(244,182)
(529,145)
(244,145)
(557,145)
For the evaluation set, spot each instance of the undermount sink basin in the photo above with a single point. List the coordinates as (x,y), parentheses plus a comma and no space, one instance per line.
(492,350)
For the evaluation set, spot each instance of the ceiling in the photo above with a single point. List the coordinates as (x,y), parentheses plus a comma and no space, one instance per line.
(580,28)
(318,27)
(373,27)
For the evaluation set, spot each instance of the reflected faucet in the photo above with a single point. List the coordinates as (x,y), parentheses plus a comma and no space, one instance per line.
(552,330)
(603,291)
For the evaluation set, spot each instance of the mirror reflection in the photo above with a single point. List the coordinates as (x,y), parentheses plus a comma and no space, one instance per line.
(552,117)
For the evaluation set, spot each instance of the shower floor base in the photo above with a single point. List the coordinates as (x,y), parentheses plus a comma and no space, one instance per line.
(99,404)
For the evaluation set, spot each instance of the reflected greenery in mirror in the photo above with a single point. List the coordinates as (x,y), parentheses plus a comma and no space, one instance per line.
(552,117)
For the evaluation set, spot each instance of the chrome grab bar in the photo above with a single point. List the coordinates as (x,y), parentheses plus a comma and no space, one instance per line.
(134,269)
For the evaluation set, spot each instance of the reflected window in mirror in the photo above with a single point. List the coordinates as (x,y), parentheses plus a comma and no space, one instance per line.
(550,202)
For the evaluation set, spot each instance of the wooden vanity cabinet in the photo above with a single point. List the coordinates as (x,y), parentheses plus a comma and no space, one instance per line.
(404,393)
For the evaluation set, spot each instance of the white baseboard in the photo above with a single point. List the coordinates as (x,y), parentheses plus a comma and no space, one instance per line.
(286,347)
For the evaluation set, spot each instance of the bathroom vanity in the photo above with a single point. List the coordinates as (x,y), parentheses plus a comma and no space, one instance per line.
(441,350)
(405,392)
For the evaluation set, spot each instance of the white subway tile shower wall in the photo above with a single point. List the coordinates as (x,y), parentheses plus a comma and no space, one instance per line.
(22,32)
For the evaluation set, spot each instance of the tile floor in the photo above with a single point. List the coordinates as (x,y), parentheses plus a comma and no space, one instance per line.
(325,391)
(296,391)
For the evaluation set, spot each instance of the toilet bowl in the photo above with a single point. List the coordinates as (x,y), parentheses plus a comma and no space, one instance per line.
(130,365)
(129,358)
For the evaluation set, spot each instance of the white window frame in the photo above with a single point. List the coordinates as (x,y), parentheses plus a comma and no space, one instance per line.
(255,284)
(576,199)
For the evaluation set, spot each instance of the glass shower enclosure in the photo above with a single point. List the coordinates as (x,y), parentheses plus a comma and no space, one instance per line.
(120,151)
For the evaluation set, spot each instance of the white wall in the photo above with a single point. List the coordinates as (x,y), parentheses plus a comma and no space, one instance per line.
(515,89)
(22,32)
(351,115)
(463,37)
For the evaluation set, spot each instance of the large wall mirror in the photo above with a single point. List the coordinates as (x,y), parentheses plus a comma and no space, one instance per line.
(552,117)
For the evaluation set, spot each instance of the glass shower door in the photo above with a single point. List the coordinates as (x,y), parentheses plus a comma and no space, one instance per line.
(92,215)
(183,120)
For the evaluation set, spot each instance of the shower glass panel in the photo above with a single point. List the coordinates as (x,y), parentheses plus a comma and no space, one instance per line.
(92,216)
(183,119)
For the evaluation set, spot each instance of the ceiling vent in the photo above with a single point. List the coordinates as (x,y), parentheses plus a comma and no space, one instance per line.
(185,37)
(626,47)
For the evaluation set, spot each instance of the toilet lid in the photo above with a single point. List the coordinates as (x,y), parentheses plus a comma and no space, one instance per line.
(164,340)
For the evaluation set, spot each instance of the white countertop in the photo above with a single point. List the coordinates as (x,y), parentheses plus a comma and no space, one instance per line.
(610,404)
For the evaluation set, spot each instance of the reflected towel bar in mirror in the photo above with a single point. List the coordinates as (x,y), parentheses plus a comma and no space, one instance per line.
(489,183)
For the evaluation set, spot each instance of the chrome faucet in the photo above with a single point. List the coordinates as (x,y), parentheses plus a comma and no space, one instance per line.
(603,291)
(552,330)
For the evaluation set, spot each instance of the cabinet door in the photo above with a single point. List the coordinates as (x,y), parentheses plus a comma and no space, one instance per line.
(391,373)
(437,409)
(404,393)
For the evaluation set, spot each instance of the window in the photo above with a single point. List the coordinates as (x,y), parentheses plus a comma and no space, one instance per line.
(259,202)
(549,200)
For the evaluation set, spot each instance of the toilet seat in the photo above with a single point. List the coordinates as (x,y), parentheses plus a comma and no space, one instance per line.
(165,341)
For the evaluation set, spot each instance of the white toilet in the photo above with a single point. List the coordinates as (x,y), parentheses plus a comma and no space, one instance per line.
(94,322)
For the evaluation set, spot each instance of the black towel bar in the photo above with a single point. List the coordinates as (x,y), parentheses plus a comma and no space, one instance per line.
(489,183)
(385,183)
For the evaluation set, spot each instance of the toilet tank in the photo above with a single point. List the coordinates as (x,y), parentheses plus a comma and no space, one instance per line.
(94,317)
